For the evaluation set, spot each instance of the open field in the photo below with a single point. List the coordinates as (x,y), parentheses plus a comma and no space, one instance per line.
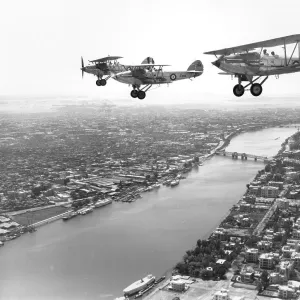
(204,290)
(32,217)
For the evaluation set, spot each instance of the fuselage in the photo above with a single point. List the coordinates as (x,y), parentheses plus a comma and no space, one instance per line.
(102,69)
(143,76)
(255,65)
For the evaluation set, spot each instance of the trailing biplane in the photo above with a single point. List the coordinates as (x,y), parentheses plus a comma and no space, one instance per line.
(252,63)
(143,77)
(106,66)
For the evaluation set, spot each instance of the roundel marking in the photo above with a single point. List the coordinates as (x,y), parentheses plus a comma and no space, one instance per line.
(173,76)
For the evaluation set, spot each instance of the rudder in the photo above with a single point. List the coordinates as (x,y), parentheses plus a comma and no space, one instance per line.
(148,60)
(196,66)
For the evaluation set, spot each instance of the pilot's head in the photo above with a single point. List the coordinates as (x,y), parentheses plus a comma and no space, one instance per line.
(273,53)
(265,51)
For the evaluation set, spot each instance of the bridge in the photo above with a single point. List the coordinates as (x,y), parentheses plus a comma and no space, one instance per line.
(243,156)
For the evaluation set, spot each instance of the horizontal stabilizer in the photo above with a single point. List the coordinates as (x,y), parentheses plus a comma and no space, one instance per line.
(145,65)
(224,73)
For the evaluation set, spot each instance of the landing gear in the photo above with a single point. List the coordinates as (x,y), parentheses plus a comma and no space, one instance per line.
(256,89)
(101,82)
(238,90)
(141,95)
(134,93)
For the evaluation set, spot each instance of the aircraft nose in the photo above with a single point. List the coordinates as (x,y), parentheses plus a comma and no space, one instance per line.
(216,63)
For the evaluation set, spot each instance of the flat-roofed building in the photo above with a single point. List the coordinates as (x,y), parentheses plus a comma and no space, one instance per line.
(269,191)
(266,261)
(286,292)
(223,294)
(252,255)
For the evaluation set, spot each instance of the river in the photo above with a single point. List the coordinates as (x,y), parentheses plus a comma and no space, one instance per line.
(96,256)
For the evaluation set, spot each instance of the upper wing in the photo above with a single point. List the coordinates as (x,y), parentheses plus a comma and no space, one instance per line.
(144,66)
(265,44)
(104,59)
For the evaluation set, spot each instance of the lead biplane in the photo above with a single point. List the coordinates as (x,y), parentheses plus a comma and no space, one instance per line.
(251,62)
(148,74)
(104,66)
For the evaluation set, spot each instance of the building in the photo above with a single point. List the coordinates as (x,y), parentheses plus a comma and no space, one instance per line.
(245,207)
(284,269)
(221,295)
(178,285)
(286,292)
(296,259)
(287,251)
(278,184)
(274,278)
(252,255)
(266,261)
(296,234)
(283,203)
(269,191)
(264,245)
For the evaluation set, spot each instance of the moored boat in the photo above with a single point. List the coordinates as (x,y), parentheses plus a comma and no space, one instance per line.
(103,202)
(139,285)
(174,182)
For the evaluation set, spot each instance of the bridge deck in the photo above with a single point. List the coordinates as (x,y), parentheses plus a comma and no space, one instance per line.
(242,154)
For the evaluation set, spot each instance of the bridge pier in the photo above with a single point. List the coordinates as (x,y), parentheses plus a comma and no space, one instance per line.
(255,158)
(235,155)
(244,156)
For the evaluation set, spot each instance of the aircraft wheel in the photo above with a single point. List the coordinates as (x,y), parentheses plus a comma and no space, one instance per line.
(238,90)
(134,93)
(98,82)
(256,89)
(103,82)
(141,95)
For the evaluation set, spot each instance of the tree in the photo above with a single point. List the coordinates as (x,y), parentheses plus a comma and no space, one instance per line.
(264,278)
(220,271)
(182,268)
(205,274)
(267,168)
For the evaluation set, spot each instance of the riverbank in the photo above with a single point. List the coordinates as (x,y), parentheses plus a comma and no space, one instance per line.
(199,287)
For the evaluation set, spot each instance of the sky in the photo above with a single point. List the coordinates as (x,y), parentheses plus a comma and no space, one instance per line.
(42,42)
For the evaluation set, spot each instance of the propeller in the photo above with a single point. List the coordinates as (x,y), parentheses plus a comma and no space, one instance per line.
(82,67)
(217,63)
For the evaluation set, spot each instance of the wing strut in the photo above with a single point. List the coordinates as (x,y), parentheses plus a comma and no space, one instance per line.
(293,53)
(284,46)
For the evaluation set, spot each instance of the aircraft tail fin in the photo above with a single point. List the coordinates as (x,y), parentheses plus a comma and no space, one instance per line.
(196,66)
(148,60)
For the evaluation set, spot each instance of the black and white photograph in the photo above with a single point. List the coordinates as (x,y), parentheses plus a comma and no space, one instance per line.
(149,150)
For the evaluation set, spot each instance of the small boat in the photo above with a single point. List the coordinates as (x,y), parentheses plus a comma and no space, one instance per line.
(174,182)
(104,202)
(160,279)
(69,216)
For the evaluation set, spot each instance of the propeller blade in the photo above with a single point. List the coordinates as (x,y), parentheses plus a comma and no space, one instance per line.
(82,67)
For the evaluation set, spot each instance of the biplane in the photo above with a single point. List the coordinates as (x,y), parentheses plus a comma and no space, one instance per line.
(143,77)
(252,63)
(106,66)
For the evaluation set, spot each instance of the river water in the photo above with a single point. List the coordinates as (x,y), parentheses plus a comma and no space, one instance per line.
(96,256)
